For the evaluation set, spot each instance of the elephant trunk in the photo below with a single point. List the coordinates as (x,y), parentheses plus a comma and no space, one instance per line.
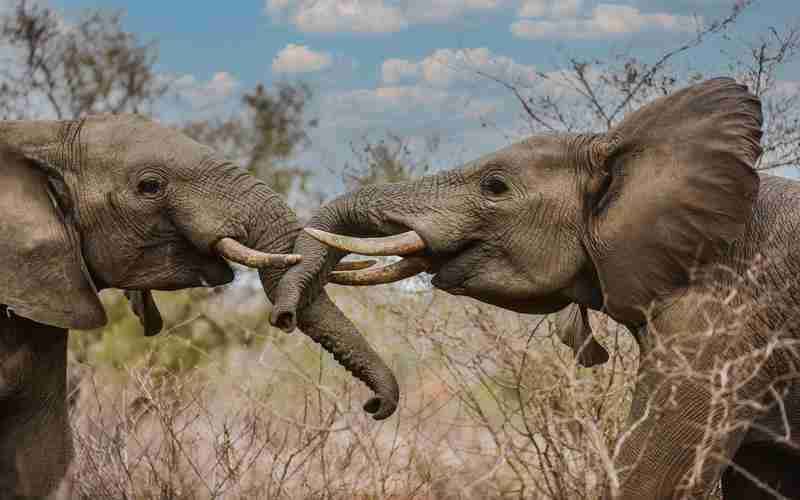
(318,318)
(378,210)
(365,212)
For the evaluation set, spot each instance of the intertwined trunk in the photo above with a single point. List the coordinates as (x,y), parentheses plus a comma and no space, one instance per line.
(273,228)
(369,211)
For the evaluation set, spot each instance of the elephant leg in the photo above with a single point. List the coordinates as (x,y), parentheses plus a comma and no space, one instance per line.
(34,460)
(667,452)
(771,464)
(35,439)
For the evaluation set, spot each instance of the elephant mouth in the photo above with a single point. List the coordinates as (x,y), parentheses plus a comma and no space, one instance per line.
(218,274)
(416,253)
(181,265)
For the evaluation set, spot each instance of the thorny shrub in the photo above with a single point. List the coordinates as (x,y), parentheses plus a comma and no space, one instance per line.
(493,406)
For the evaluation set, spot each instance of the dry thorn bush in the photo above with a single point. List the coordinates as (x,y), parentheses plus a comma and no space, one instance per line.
(493,407)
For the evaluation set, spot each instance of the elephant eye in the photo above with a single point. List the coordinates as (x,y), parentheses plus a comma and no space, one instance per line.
(150,187)
(495,186)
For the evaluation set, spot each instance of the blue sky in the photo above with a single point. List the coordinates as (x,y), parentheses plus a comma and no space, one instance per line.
(404,65)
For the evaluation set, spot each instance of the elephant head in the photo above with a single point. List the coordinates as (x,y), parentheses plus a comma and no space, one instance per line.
(121,201)
(611,221)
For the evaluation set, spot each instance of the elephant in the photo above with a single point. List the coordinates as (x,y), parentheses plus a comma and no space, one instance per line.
(121,201)
(662,223)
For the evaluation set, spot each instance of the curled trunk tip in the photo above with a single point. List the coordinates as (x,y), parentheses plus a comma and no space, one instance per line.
(324,323)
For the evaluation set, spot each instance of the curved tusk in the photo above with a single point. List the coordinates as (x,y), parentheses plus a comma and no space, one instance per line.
(397,271)
(354,265)
(246,256)
(399,244)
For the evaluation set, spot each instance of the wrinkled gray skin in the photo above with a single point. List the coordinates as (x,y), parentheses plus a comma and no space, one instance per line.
(643,223)
(123,202)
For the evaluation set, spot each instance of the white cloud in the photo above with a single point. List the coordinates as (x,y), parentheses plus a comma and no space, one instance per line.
(351,108)
(402,109)
(299,59)
(395,70)
(201,95)
(439,11)
(446,67)
(607,20)
(370,16)
(331,16)
(277,5)
(549,8)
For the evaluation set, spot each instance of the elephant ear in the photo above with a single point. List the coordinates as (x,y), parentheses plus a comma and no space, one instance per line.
(681,188)
(42,273)
(573,329)
(146,310)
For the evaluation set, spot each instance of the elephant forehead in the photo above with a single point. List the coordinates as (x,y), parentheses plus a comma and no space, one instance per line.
(138,140)
(543,151)
(537,151)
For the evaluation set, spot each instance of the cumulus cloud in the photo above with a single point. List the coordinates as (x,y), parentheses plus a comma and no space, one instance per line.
(370,16)
(331,16)
(396,70)
(386,98)
(206,94)
(403,108)
(299,59)
(445,67)
(439,11)
(607,20)
(549,8)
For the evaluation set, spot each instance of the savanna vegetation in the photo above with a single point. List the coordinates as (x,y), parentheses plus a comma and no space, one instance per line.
(221,405)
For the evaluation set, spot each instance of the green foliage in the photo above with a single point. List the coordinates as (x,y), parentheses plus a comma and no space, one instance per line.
(195,332)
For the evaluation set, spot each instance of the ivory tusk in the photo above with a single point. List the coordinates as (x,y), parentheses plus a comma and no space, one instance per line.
(396,271)
(355,265)
(241,254)
(399,244)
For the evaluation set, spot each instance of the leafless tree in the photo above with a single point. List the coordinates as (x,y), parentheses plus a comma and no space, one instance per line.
(388,159)
(63,70)
(606,89)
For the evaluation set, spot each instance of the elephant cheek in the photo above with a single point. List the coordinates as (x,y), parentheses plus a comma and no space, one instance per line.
(450,282)
(173,271)
(496,280)
(460,275)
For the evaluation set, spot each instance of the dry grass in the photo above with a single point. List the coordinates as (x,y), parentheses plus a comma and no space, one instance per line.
(493,406)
